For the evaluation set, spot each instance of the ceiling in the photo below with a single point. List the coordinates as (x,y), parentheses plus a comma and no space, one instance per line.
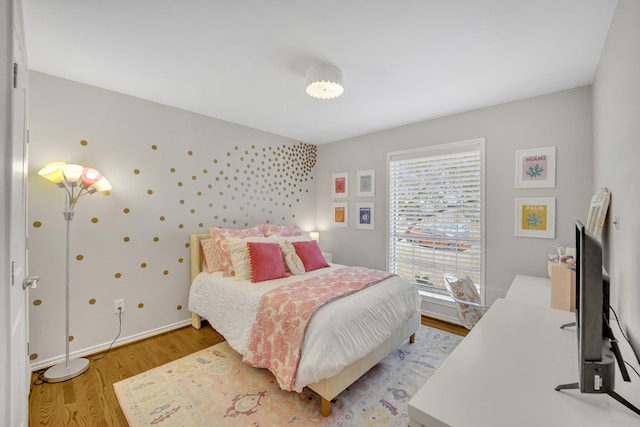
(244,61)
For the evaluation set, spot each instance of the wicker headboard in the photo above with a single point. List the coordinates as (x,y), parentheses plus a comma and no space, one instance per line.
(196,253)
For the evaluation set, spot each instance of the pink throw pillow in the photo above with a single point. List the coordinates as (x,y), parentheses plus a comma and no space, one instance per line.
(281,230)
(310,254)
(266,261)
(210,258)
(218,235)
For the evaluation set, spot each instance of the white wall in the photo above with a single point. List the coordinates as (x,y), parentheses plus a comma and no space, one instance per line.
(616,124)
(561,119)
(173,173)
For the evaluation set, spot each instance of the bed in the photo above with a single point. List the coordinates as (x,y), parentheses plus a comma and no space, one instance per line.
(211,294)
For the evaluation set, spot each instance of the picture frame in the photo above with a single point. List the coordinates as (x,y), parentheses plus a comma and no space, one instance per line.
(598,212)
(340,185)
(536,217)
(366,183)
(341,214)
(536,168)
(365,215)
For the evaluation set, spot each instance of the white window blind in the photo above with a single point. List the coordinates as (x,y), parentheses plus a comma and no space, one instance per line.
(435,214)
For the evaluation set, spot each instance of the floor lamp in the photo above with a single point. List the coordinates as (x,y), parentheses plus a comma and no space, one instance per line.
(77,181)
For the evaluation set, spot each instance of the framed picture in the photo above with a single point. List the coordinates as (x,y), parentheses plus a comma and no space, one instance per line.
(366,183)
(598,212)
(536,168)
(340,214)
(340,185)
(365,216)
(536,217)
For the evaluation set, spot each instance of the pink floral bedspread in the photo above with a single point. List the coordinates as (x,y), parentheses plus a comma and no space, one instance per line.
(275,340)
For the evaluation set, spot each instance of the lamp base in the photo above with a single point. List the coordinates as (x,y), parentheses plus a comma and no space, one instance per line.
(65,371)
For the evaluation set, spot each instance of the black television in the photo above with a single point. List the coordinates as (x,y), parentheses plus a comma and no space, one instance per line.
(598,349)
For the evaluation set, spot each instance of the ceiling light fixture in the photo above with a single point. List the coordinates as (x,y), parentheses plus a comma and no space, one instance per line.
(324,81)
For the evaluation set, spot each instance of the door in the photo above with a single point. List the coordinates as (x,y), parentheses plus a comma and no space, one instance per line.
(18,317)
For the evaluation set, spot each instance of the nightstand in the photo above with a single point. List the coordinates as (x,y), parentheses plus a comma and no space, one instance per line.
(328,256)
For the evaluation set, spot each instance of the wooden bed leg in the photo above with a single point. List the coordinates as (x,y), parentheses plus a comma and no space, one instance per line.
(412,338)
(326,407)
(196,321)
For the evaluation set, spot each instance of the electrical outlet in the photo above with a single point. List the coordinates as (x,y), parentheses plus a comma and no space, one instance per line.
(118,306)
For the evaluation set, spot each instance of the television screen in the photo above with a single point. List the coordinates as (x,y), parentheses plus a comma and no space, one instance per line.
(598,350)
(596,361)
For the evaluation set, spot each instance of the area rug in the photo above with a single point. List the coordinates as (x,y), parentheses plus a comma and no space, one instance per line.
(214,388)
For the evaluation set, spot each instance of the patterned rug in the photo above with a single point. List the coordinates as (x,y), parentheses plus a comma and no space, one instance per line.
(214,388)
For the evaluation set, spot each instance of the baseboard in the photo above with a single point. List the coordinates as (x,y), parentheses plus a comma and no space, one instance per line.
(434,314)
(101,347)
(439,307)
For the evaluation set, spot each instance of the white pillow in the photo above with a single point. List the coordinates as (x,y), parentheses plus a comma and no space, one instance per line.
(240,254)
(291,259)
(286,247)
(464,290)
(294,264)
(302,238)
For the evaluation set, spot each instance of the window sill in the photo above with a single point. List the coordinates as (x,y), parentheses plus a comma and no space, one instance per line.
(436,296)
(439,306)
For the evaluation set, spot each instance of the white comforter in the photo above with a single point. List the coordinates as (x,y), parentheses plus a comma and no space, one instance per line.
(338,334)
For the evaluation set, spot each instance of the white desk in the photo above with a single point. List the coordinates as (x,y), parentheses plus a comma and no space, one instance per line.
(530,290)
(505,371)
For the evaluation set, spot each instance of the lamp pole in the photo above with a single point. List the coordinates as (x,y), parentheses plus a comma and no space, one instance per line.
(70,368)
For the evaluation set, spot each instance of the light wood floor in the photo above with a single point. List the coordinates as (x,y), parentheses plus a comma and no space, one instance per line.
(445,326)
(89,400)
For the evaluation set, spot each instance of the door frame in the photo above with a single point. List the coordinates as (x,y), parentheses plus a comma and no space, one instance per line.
(14,367)
(6,59)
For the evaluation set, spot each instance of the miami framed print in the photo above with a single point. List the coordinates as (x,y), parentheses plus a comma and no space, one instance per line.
(536,168)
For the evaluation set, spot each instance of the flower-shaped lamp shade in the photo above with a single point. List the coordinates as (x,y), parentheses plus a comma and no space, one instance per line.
(65,175)
(72,173)
(53,172)
(102,185)
(90,176)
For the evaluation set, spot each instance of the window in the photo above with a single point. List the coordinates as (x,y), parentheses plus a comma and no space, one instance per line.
(436,214)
